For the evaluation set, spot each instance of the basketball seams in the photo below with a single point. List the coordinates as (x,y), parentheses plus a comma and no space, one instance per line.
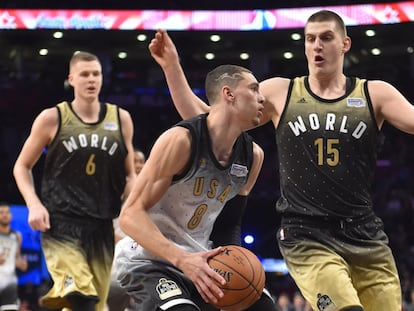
(247,259)
(247,273)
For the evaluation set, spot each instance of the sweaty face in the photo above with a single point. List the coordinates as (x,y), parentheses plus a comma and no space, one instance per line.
(249,100)
(86,79)
(325,46)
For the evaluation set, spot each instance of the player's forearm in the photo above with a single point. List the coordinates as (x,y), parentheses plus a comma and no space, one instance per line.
(185,101)
(140,227)
(21,264)
(25,184)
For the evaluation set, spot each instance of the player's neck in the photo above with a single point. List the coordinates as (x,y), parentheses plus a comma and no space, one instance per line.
(88,111)
(222,156)
(222,138)
(328,86)
(4,229)
(222,143)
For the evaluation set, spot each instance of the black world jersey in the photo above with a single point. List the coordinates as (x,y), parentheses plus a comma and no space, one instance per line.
(85,166)
(327,151)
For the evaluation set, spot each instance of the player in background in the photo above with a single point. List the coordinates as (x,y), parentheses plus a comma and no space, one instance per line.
(88,166)
(10,259)
(118,298)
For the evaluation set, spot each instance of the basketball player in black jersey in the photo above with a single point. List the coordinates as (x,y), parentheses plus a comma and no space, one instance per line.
(327,129)
(89,160)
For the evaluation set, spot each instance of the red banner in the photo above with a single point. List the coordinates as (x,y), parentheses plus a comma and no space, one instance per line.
(384,13)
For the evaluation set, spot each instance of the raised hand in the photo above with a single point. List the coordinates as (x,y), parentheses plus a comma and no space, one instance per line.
(163,49)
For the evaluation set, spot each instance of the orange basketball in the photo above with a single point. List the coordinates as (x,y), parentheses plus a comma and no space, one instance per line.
(244,275)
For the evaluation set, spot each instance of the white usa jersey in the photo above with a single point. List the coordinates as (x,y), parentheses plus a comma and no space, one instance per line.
(187,211)
(8,249)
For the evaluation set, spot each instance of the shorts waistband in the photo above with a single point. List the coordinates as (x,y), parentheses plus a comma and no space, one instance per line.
(326,221)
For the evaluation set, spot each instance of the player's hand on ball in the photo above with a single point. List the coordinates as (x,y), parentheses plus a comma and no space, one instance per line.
(195,267)
(244,275)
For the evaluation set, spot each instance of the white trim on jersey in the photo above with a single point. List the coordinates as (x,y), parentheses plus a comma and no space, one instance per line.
(176,302)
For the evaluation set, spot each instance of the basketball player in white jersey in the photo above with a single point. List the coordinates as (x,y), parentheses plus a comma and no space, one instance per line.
(197,177)
(10,259)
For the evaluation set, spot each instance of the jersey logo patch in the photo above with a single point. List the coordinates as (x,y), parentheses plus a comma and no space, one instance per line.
(325,303)
(134,245)
(167,288)
(239,170)
(355,102)
(302,101)
(68,281)
(111,126)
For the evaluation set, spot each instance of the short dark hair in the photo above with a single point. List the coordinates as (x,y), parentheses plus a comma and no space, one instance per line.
(327,16)
(229,75)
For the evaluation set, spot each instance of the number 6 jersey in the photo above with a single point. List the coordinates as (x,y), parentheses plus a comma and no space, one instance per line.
(85,165)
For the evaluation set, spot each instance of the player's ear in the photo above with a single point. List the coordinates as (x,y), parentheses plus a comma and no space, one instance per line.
(346,44)
(228,93)
(70,80)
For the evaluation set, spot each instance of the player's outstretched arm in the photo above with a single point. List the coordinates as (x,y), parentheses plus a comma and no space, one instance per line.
(163,50)
(391,106)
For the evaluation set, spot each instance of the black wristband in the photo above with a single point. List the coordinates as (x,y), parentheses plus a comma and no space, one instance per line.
(227,227)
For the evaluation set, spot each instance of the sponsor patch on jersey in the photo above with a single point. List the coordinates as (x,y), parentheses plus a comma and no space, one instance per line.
(111,126)
(134,245)
(355,102)
(68,281)
(239,170)
(302,101)
(167,288)
(325,303)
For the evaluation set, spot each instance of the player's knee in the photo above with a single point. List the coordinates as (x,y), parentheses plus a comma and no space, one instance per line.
(357,308)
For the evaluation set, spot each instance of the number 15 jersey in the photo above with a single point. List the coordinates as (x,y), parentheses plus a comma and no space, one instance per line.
(327,151)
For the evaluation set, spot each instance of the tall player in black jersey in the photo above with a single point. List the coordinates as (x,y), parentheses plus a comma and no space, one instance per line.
(327,130)
(89,160)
